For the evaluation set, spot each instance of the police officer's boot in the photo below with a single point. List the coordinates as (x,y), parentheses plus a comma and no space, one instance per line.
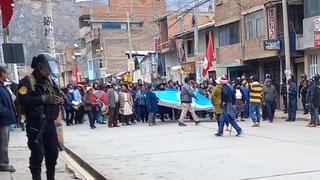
(50,173)
(36,174)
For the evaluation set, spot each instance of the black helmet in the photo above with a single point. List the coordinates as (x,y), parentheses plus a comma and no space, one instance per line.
(253,78)
(45,60)
(304,76)
(316,78)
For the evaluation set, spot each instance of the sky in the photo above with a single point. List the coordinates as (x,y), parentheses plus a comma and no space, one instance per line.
(171,4)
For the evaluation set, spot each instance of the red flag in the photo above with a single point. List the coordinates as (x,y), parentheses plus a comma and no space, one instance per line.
(7,12)
(208,60)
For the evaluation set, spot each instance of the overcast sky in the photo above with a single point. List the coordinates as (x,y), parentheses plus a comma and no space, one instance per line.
(171,4)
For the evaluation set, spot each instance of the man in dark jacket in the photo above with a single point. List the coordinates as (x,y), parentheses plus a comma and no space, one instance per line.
(41,99)
(152,105)
(293,92)
(228,111)
(7,117)
(113,104)
(303,89)
(186,101)
(312,100)
(270,99)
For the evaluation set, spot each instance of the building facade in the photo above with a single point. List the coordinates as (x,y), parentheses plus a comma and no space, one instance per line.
(103,33)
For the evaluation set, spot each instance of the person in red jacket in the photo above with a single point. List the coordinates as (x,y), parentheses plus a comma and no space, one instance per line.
(90,106)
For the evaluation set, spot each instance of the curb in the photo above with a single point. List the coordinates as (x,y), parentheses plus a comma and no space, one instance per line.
(85,165)
(297,118)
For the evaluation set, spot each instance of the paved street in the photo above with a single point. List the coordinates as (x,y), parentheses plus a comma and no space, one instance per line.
(19,158)
(278,151)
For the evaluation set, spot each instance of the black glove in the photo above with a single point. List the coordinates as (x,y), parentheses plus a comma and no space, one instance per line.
(47,99)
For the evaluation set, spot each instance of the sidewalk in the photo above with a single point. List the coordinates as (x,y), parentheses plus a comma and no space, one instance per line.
(19,158)
(300,117)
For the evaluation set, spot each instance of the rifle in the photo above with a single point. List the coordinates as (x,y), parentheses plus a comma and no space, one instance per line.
(43,127)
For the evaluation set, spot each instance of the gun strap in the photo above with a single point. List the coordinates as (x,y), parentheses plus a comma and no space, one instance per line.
(32,81)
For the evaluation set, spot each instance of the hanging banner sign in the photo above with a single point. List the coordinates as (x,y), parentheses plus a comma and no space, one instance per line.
(272,23)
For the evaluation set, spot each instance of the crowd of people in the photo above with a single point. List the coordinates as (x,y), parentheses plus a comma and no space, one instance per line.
(129,103)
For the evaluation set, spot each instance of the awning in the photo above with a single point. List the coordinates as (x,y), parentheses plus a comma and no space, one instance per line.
(120,74)
(176,68)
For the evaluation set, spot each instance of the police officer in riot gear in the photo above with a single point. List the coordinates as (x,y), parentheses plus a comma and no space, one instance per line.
(303,89)
(292,94)
(40,97)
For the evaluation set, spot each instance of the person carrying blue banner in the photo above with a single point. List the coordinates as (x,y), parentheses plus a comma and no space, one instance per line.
(186,101)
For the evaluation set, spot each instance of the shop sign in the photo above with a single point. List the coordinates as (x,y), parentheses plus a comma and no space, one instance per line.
(271,44)
(272,23)
(316,37)
(199,59)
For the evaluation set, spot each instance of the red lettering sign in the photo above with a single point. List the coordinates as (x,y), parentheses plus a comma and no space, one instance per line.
(316,39)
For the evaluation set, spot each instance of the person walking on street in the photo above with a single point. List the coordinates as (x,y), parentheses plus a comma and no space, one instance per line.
(303,89)
(270,99)
(7,117)
(41,99)
(229,112)
(313,100)
(90,106)
(216,99)
(152,105)
(293,90)
(113,104)
(255,101)
(126,104)
(186,102)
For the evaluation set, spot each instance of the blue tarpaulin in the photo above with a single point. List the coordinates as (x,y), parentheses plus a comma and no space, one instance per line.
(172,99)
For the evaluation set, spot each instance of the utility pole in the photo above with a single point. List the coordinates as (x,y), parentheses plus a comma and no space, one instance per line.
(130,61)
(286,39)
(48,27)
(196,41)
(286,44)
(180,18)
(129,35)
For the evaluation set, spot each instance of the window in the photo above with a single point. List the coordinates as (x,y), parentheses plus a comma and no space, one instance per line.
(313,61)
(100,63)
(254,23)
(111,25)
(136,25)
(229,34)
(190,44)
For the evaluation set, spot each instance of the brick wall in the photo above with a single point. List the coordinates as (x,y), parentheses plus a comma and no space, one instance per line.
(227,10)
(228,54)
(254,49)
(116,10)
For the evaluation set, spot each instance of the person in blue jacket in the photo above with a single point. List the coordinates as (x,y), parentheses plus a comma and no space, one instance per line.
(7,117)
(152,105)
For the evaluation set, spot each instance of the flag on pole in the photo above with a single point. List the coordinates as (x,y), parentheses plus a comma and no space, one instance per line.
(7,12)
(208,59)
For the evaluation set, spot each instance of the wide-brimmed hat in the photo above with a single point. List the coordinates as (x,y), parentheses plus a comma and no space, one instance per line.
(89,88)
(218,80)
(268,80)
(224,80)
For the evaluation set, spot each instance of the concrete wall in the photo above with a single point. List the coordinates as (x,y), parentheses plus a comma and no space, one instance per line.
(308,32)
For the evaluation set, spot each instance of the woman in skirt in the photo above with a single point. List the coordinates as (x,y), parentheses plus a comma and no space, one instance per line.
(126,104)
